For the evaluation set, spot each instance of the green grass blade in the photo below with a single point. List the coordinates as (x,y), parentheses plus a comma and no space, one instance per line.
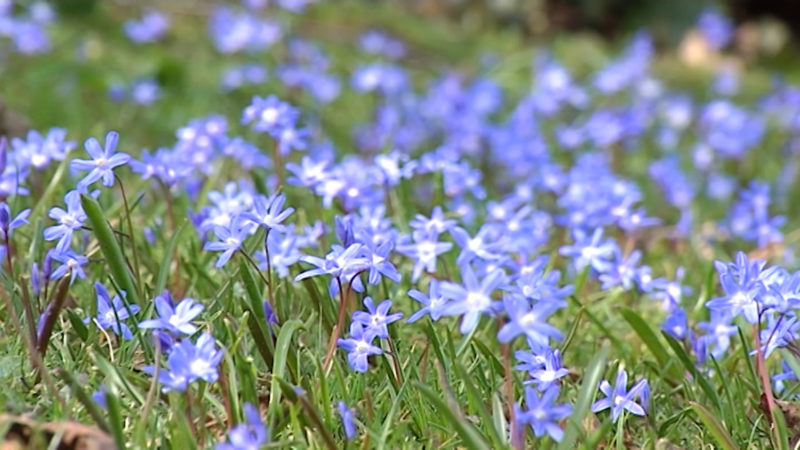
(388,422)
(714,426)
(647,336)
(110,247)
(115,415)
(166,261)
(279,365)
(476,403)
(690,366)
(591,379)
(90,405)
(311,412)
(470,437)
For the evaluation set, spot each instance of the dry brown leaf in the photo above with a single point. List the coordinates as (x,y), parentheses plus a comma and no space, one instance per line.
(26,433)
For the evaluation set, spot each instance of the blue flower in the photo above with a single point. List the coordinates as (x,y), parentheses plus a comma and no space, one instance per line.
(347,420)
(590,250)
(188,362)
(250,435)
(719,332)
(71,264)
(620,399)
(103,161)
(715,27)
(111,313)
(473,297)
(528,319)
(340,262)
(379,264)
(483,245)
(550,372)
(68,221)
(176,320)
(359,346)
(377,318)
(38,151)
(433,226)
(433,303)
(7,224)
(542,413)
(742,285)
(267,211)
(283,252)
(269,115)
(424,251)
(150,28)
(230,240)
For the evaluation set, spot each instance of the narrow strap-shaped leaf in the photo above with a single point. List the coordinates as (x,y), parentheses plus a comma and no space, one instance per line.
(591,379)
(279,365)
(689,365)
(714,426)
(85,399)
(110,248)
(470,436)
(166,260)
(308,408)
(650,339)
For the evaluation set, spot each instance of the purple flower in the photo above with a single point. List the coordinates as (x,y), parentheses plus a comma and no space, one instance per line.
(347,420)
(267,211)
(379,264)
(269,115)
(528,319)
(618,399)
(250,435)
(150,28)
(340,262)
(71,264)
(67,221)
(473,297)
(7,224)
(38,151)
(359,346)
(175,320)
(111,313)
(188,362)
(103,161)
(230,240)
(550,372)
(376,318)
(590,250)
(715,27)
(433,303)
(542,413)
(742,284)
(424,251)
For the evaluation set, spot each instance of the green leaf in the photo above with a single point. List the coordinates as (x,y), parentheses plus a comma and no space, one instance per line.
(650,339)
(166,260)
(308,408)
(85,399)
(591,379)
(470,436)
(689,365)
(78,325)
(476,403)
(388,422)
(714,426)
(257,320)
(115,415)
(110,248)
(279,365)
